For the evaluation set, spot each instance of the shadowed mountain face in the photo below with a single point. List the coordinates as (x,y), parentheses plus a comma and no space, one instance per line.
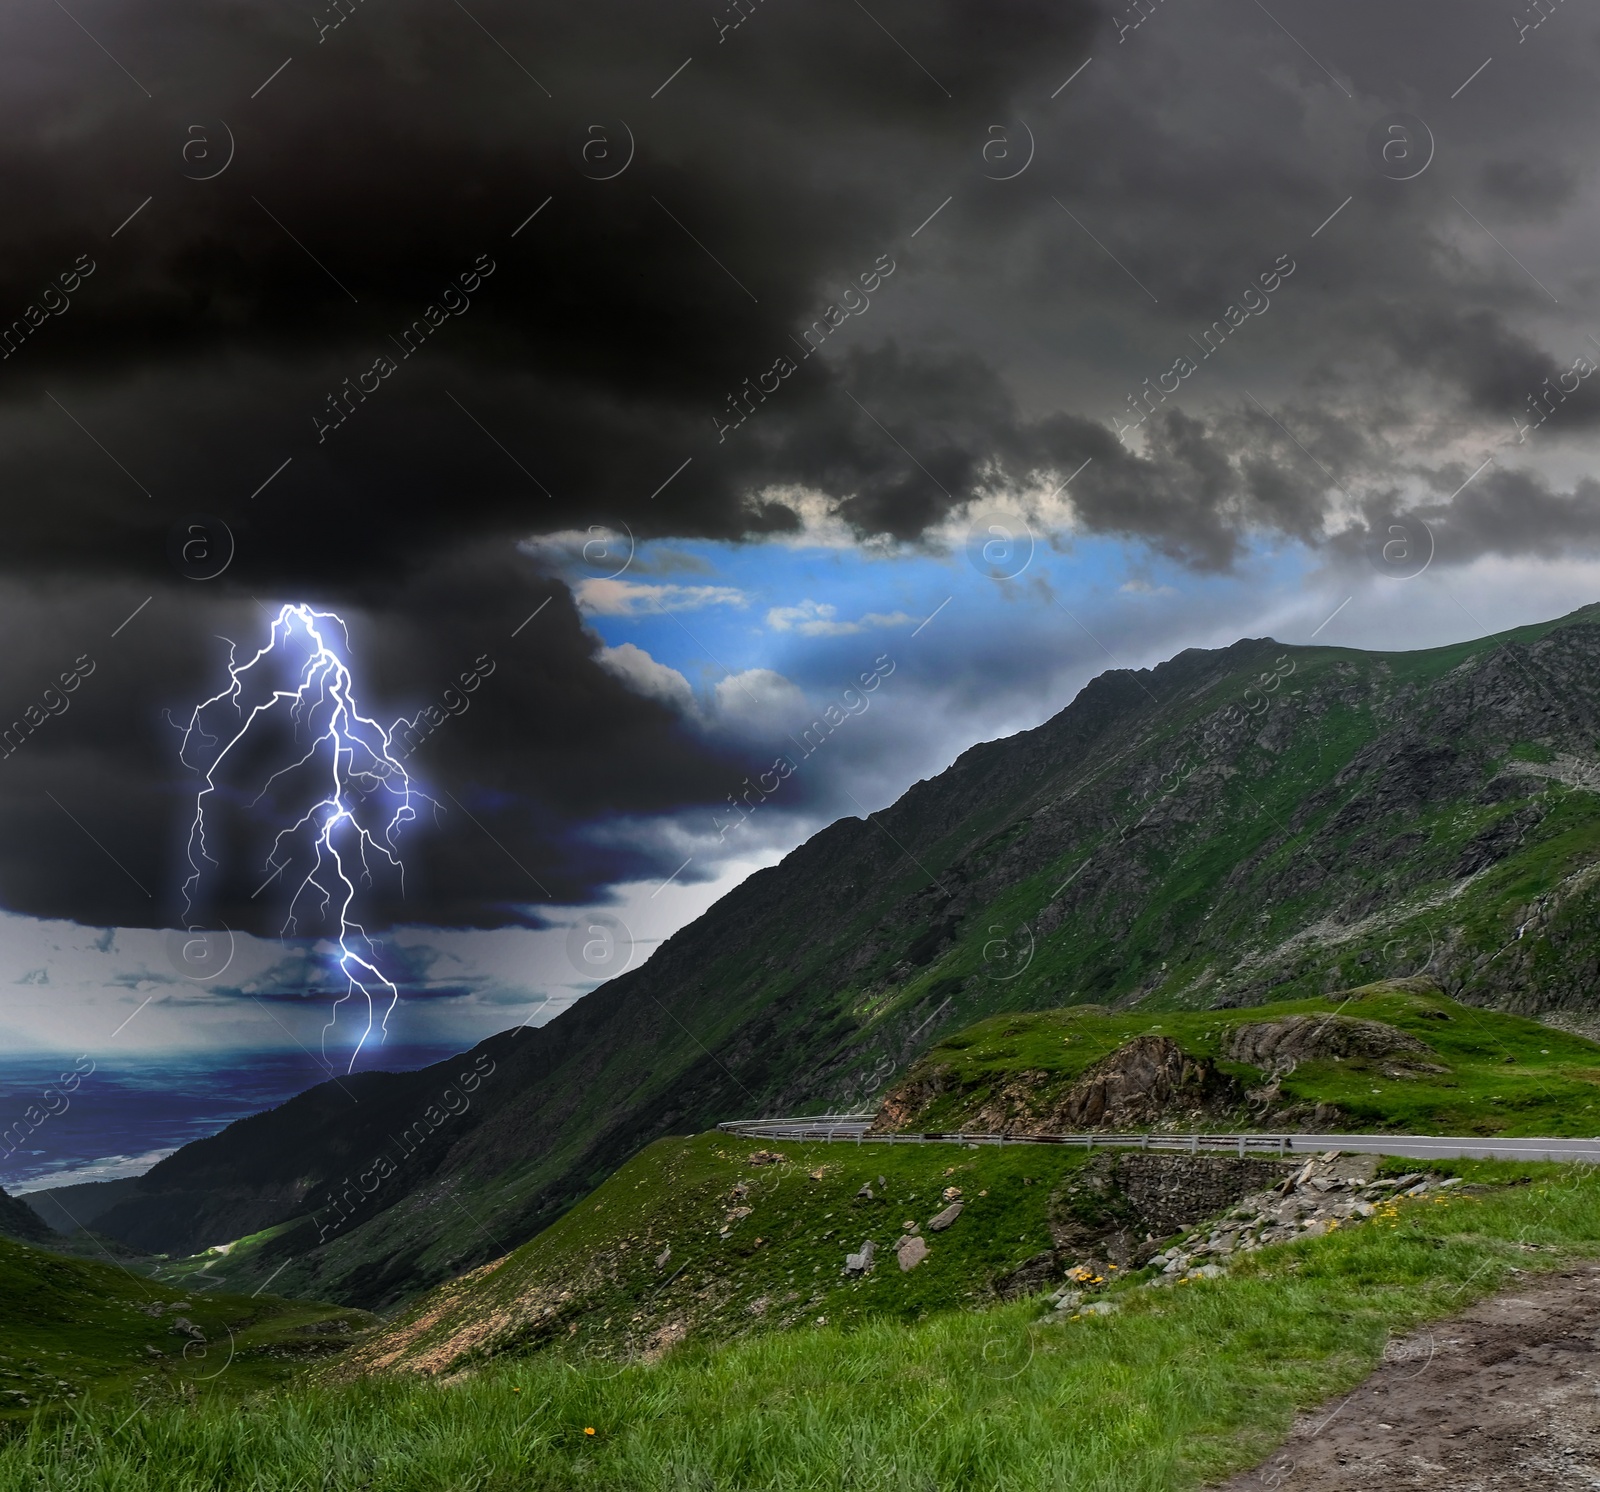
(18,1220)
(1232,822)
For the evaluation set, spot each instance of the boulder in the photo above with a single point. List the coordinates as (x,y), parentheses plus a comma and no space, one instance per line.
(942,1220)
(912,1249)
(861,1262)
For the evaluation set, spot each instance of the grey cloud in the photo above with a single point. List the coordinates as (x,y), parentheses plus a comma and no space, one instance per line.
(1536,188)
(1516,513)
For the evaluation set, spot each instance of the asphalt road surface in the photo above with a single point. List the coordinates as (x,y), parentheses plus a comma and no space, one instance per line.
(852,1129)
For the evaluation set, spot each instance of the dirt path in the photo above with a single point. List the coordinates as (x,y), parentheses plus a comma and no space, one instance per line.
(1504,1397)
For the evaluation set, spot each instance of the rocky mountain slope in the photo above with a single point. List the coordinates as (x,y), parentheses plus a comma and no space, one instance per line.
(1232,822)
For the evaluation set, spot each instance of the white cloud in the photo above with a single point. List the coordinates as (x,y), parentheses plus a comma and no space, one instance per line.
(642,674)
(819,619)
(593,548)
(613,597)
(1138,586)
(758,701)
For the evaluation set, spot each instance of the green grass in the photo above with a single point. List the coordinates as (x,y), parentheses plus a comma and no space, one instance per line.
(72,1328)
(199,1271)
(1507,1075)
(1179,1386)
(590,1281)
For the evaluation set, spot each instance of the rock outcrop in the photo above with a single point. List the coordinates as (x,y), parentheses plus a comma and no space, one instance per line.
(1148,1080)
(1327,1192)
(1280,1045)
(908,1099)
(1151,1082)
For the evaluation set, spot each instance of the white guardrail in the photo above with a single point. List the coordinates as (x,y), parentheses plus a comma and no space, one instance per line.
(853,1128)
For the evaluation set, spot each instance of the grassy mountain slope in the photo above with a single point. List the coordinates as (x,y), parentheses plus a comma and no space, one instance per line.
(1498,1074)
(690,1241)
(1177,1388)
(71,1327)
(1189,836)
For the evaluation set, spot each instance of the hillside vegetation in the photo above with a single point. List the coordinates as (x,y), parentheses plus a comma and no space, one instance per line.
(689,1240)
(718,1237)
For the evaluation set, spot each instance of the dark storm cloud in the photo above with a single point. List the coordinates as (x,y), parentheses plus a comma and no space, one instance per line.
(190,332)
(97,807)
(412,165)
(1516,513)
(399,154)
(1512,513)
(1491,366)
(403,149)
(1535,188)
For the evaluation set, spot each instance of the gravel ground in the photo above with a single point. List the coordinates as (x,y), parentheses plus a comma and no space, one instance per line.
(1503,1397)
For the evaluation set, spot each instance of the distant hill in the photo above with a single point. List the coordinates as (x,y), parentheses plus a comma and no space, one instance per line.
(18,1220)
(1255,819)
(66,1209)
(71,1328)
(1395,1056)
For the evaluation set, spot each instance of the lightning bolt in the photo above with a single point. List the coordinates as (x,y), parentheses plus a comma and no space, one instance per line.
(345,763)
